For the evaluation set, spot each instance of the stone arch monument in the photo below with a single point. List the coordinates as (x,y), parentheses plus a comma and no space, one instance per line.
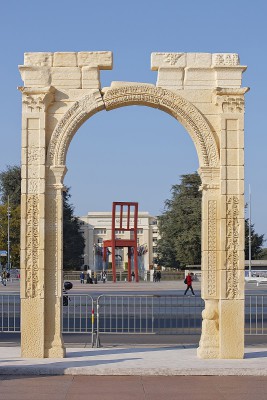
(203,92)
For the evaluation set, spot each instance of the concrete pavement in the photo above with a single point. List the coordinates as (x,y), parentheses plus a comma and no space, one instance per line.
(135,361)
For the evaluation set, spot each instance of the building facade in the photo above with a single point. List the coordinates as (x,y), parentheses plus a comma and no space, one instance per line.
(96,227)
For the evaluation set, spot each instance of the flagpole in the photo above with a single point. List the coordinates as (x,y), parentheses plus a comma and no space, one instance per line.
(249,234)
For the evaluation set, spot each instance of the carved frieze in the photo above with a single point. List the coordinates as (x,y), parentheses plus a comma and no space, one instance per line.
(212,246)
(232,246)
(32,247)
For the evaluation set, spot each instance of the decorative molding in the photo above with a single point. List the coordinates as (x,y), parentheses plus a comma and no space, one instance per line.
(232,246)
(32,247)
(187,114)
(80,111)
(212,243)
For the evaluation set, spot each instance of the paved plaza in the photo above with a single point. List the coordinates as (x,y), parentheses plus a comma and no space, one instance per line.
(143,373)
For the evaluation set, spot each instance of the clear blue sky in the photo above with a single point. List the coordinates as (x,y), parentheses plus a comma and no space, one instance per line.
(148,144)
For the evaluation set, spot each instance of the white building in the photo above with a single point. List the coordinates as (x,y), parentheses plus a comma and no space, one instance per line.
(96,227)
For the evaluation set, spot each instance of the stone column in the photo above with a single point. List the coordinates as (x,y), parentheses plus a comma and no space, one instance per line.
(232,243)
(35,102)
(209,343)
(54,345)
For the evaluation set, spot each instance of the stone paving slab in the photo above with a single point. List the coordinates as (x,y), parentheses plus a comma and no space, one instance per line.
(132,387)
(138,361)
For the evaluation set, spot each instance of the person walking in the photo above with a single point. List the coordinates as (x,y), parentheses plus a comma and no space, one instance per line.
(188,282)
(4,278)
(82,277)
(133,276)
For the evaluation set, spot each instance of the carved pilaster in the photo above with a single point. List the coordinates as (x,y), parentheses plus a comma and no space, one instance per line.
(232,247)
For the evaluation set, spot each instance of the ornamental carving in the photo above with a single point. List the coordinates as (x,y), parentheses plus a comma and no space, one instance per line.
(34,103)
(232,246)
(227,60)
(212,243)
(172,58)
(36,99)
(233,104)
(175,105)
(68,125)
(51,237)
(32,247)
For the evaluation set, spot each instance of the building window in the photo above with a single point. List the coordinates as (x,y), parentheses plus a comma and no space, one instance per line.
(155,249)
(155,231)
(119,232)
(100,240)
(155,240)
(100,231)
(139,231)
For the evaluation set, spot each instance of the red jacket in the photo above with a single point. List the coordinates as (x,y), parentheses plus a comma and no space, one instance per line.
(189,280)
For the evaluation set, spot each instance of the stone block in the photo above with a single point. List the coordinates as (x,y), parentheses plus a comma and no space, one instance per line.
(232,139)
(232,157)
(70,77)
(67,59)
(170,77)
(32,328)
(167,60)
(231,326)
(35,76)
(99,59)
(195,96)
(232,172)
(228,83)
(38,59)
(90,78)
(198,60)
(199,75)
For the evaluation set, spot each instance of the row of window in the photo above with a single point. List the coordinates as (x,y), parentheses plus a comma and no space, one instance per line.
(103,231)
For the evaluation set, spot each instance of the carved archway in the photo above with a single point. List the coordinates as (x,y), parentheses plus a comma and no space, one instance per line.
(181,109)
(63,90)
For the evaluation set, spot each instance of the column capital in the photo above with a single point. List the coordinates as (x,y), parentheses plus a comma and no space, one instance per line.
(210,178)
(36,99)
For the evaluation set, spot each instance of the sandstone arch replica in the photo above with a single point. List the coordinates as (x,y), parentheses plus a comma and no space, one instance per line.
(203,92)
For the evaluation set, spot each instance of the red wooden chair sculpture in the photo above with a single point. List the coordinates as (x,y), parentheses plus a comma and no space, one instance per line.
(123,222)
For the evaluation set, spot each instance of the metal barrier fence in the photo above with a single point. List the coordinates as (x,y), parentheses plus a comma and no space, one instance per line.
(149,314)
(10,312)
(134,314)
(256,314)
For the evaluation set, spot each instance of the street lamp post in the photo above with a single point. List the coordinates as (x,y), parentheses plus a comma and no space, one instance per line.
(8,233)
